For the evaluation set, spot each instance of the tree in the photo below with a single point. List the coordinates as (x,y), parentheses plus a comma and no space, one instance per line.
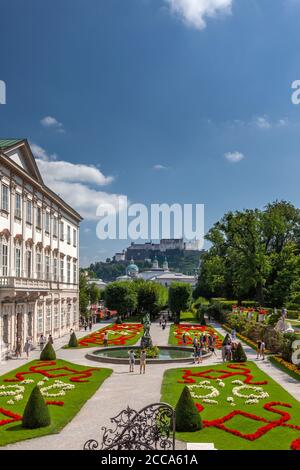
(121,296)
(239,354)
(152,297)
(83,294)
(36,414)
(73,343)
(48,353)
(93,293)
(180,295)
(188,418)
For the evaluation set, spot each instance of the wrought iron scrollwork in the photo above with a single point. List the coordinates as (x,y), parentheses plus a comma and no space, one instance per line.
(151,428)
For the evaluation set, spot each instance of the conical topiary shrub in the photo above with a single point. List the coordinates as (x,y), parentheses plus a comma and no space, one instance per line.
(48,353)
(188,418)
(239,354)
(73,343)
(36,413)
(226,340)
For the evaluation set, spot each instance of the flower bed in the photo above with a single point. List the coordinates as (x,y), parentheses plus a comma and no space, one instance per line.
(64,386)
(286,366)
(241,407)
(124,334)
(176,332)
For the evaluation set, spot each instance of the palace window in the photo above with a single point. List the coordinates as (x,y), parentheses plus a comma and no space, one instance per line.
(69,235)
(38,217)
(55,269)
(4,198)
(47,222)
(74,237)
(55,227)
(18,262)
(62,270)
(62,318)
(61,231)
(28,263)
(47,267)
(56,317)
(48,319)
(74,272)
(74,313)
(18,205)
(68,271)
(29,212)
(39,265)
(68,315)
(4,257)
(40,320)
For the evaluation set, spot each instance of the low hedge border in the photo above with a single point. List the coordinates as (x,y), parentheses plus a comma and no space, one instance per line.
(246,340)
(285,366)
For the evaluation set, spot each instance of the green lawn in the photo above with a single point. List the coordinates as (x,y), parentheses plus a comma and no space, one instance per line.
(73,399)
(277,438)
(188,317)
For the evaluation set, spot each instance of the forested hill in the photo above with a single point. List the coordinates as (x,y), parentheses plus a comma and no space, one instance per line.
(180,261)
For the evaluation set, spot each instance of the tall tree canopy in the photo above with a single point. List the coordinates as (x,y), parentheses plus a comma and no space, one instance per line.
(254,254)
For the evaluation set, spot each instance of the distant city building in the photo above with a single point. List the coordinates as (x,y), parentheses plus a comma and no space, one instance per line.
(143,251)
(162,275)
(119,257)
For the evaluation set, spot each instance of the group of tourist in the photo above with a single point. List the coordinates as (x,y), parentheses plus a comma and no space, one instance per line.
(28,346)
(201,344)
(132,357)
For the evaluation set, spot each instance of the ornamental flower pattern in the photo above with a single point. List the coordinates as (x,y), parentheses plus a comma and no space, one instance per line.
(118,335)
(191,330)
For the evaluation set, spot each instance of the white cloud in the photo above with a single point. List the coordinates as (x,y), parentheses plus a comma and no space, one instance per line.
(77,184)
(263,122)
(283,122)
(234,157)
(159,167)
(52,122)
(195,12)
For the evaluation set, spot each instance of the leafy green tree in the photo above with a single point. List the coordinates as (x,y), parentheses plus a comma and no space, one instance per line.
(94,293)
(152,297)
(180,296)
(121,296)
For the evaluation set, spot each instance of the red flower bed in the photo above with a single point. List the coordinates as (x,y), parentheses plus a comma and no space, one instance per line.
(239,370)
(193,330)
(121,339)
(45,369)
(12,417)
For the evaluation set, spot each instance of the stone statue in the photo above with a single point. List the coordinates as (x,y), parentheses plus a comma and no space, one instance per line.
(146,341)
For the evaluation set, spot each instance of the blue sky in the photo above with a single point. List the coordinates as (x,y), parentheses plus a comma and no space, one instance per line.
(120,88)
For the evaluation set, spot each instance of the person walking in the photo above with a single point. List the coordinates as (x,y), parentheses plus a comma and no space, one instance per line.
(262,350)
(105,339)
(184,339)
(90,325)
(131,360)
(42,341)
(18,347)
(143,358)
(85,325)
(27,347)
(50,339)
(258,348)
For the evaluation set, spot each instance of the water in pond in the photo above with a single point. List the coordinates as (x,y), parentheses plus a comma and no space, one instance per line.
(163,353)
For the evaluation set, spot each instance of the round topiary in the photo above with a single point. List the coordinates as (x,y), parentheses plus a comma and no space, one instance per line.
(73,343)
(239,354)
(226,340)
(48,353)
(188,418)
(36,413)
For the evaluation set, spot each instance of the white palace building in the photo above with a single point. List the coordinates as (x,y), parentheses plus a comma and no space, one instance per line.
(39,246)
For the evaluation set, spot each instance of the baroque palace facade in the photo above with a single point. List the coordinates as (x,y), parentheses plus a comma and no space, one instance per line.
(39,247)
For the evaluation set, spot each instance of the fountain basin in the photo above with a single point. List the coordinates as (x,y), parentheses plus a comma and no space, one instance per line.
(167,354)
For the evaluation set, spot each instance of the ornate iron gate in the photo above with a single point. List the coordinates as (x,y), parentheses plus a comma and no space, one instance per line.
(151,428)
